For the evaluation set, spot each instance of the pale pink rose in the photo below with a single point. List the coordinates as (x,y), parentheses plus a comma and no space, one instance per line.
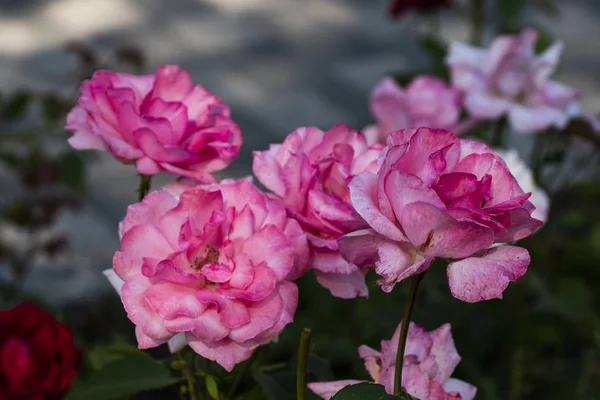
(211,265)
(436,195)
(509,79)
(159,122)
(427,101)
(429,360)
(309,173)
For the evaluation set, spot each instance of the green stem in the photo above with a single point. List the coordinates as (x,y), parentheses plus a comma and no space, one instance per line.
(189,377)
(302,360)
(477,21)
(412,296)
(144,187)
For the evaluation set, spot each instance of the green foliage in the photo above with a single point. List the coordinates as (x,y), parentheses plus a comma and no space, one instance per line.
(99,356)
(211,387)
(54,108)
(436,49)
(16,105)
(124,377)
(364,391)
(509,14)
(73,173)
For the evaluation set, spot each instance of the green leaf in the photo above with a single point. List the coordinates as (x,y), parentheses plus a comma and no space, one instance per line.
(124,377)
(54,108)
(544,41)
(404,78)
(16,105)
(10,159)
(509,13)
(73,172)
(436,49)
(99,356)
(362,391)
(403,396)
(19,212)
(211,387)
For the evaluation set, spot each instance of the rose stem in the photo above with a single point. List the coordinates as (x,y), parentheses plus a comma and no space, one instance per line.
(302,360)
(144,186)
(412,296)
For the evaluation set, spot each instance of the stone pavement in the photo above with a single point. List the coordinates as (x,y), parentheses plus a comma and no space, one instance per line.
(279,64)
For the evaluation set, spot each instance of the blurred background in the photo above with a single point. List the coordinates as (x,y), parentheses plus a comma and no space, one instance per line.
(280,64)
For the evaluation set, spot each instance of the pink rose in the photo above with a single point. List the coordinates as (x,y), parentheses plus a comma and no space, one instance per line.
(309,173)
(160,122)
(524,176)
(509,79)
(436,195)
(429,360)
(426,101)
(210,266)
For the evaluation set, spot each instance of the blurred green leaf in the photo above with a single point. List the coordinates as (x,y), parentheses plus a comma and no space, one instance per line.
(54,108)
(73,172)
(403,396)
(363,391)
(544,41)
(16,105)
(211,387)
(436,49)
(404,78)
(99,356)
(10,159)
(509,13)
(124,377)
(18,212)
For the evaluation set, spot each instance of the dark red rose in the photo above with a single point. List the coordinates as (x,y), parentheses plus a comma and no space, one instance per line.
(399,7)
(38,360)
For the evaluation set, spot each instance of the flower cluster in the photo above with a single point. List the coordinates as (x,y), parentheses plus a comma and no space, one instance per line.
(212,264)
(508,80)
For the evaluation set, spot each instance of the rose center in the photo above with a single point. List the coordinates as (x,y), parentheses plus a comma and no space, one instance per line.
(210,255)
(16,358)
